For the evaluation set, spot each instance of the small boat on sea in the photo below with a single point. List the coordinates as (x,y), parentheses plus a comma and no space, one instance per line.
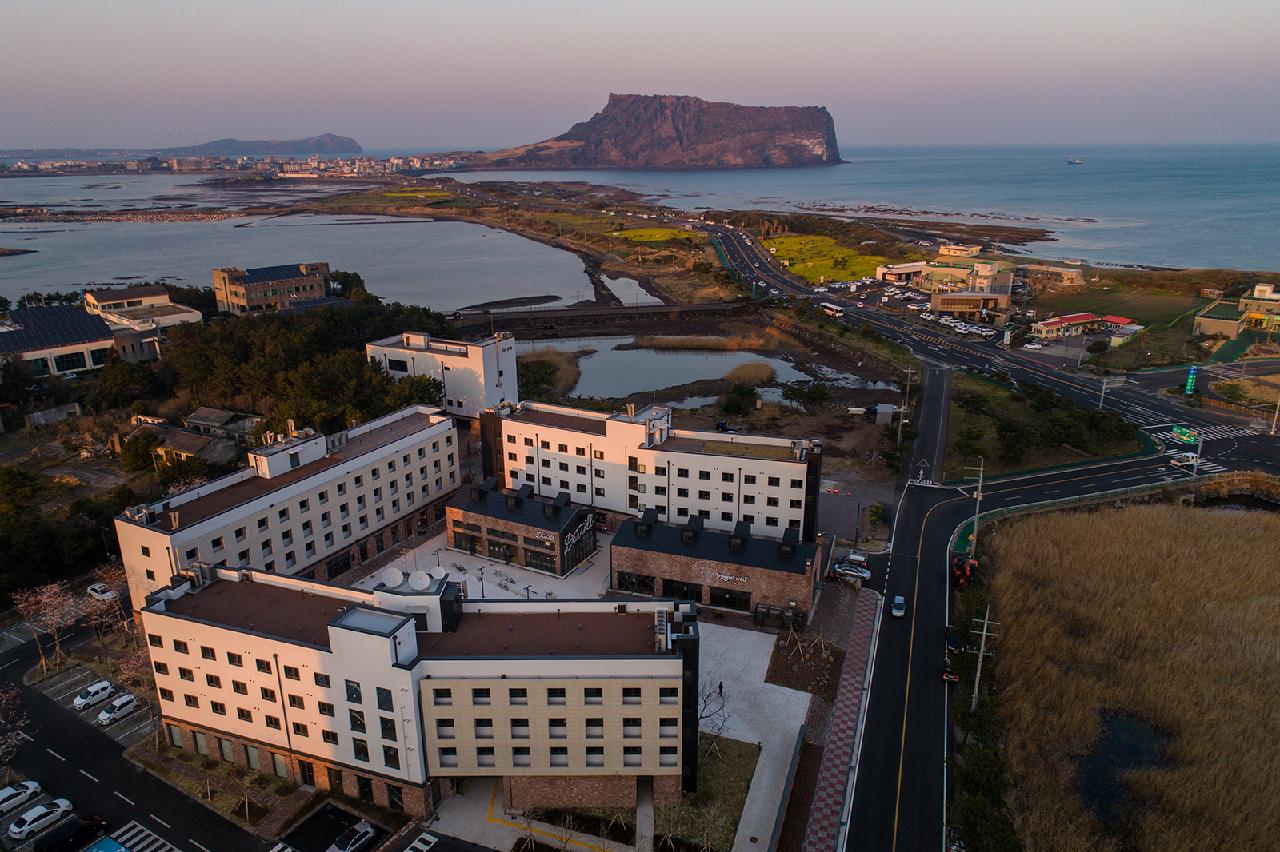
(1071,161)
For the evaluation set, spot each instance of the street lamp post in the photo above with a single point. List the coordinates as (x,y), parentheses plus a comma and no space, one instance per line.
(977,502)
(906,403)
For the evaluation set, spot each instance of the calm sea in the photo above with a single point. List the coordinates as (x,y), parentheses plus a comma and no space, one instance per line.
(1166,206)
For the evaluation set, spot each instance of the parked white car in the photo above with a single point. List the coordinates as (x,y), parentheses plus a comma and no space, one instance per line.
(355,838)
(118,709)
(93,693)
(1033,346)
(17,795)
(39,818)
(101,592)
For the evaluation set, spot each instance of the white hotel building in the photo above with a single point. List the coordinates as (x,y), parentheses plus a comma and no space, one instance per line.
(476,374)
(388,695)
(621,464)
(308,506)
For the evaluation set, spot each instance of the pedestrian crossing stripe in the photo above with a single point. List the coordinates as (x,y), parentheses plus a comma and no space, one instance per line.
(137,838)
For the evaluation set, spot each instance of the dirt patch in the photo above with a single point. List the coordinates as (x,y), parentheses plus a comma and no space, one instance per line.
(807,663)
(801,799)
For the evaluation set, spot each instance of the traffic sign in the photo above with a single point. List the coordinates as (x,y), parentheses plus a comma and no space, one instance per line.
(1191,381)
(1185,435)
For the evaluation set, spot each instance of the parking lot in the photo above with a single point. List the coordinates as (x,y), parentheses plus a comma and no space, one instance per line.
(65,686)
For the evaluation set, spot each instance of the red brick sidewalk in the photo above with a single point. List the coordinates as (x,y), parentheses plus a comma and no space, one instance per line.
(822,832)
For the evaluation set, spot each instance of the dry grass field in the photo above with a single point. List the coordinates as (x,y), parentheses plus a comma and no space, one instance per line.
(752,374)
(1171,615)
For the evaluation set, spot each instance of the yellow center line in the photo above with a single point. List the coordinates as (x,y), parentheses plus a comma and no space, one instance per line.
(532,829)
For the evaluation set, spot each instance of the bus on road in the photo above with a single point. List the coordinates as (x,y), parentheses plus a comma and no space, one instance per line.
(832,310)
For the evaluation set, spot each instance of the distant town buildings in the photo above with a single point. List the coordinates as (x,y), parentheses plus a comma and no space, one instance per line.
(139,315)
(622,464)
(1071,325)
(307,505)
(950,275)
(960,250)
(1043,277)
(269,288)
(477,374)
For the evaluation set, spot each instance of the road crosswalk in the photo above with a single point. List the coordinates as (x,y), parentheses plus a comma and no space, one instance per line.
(137,838)
(1209,433)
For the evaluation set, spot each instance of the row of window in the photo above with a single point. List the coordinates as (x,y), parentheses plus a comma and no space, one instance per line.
(593,756)
(360,747)
(555,695)
(558,729)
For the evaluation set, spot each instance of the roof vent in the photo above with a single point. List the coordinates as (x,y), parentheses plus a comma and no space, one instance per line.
(689,534)
(738,539)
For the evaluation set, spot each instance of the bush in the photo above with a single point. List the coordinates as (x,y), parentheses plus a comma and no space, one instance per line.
(738,401)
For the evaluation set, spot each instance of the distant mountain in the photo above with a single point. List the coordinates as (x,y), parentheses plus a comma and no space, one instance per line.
(325,143)
(680,132)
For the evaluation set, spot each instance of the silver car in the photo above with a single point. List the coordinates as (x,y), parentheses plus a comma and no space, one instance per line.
(899,606)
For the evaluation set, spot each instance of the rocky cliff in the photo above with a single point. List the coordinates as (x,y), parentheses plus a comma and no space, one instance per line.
(681,132)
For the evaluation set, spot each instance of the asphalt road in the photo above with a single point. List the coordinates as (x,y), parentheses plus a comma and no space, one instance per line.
(900,797)
(80,762)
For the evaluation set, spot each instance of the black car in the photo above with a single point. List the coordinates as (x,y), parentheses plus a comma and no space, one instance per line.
(72,835)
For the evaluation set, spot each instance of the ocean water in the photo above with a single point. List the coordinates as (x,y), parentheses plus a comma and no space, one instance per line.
(443,265)
(1184,206)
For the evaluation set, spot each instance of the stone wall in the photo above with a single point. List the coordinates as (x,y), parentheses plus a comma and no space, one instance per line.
(522,792)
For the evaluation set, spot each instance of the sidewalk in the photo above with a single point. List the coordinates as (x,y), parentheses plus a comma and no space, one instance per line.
(842,737)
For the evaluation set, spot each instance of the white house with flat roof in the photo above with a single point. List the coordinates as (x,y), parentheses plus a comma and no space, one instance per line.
(476,374)
(624,463)
(308,505)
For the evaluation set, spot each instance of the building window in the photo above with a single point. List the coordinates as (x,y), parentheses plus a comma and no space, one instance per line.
(557,729)
(321,679)
(668,755)
(448,756)
(146,551)
(219,709)
(559,756)
(484,756)
(384,699)
(593,695)
(631,695)
(518,695)
(391,756)
(748,479)
(353,692)
(361,750)
(213,681)
(774,482)
(268,694)
(295,701)
(166,694)
(239,687)
(330,737)
(180,646)
(388,726)
(442,697)
(299,729)
(291,673)
(484,729)
(668,728)
(161,668)
(243,715)
(207,653)
(273,722)
(631,729)
(154,641)
(556,695)
(480,695)
(632,755)
(263,666)
(356,719)
(520,756)
(595,756)
(595,729)
(669,695)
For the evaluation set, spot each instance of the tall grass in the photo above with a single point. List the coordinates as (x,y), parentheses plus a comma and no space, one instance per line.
(732,343)
(1171,614)
(752,374)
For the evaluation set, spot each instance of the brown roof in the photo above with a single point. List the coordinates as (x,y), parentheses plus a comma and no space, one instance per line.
(284,613)
(736,449)
(557,420)
(543,635)
(184,442)
(248,489)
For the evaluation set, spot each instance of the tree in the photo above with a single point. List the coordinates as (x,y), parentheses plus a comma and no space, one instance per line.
(1097,347)
(738,400)
(49,609)
(113,576)
(120,382)
(351,286)
(13,724)
(810,395)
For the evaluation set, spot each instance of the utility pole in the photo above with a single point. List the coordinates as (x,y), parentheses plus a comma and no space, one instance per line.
(977,503)
(986,623)
(1195,469)
(1106,383)
(1275,417)
(906,403)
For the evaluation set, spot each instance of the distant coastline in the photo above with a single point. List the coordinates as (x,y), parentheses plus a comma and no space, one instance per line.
(13,252)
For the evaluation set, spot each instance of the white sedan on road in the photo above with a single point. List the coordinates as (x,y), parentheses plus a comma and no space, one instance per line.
(39,818)
(101,592)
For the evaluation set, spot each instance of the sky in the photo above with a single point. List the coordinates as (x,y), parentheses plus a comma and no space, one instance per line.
(492,73)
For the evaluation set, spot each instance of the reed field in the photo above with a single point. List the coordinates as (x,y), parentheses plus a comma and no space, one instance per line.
(1167,614)
(730,343)
(752,374)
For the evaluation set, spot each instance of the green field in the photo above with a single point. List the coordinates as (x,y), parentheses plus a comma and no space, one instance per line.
(1145,307)
(654,235)
(821,259)
(418,193)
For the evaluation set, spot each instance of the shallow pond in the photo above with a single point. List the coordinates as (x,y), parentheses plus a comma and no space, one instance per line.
(1127,743)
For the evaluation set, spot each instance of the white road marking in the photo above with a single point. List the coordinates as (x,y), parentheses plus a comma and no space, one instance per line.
(199,846)
(126,798)
(55,754)
(162,822)
(90,777)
